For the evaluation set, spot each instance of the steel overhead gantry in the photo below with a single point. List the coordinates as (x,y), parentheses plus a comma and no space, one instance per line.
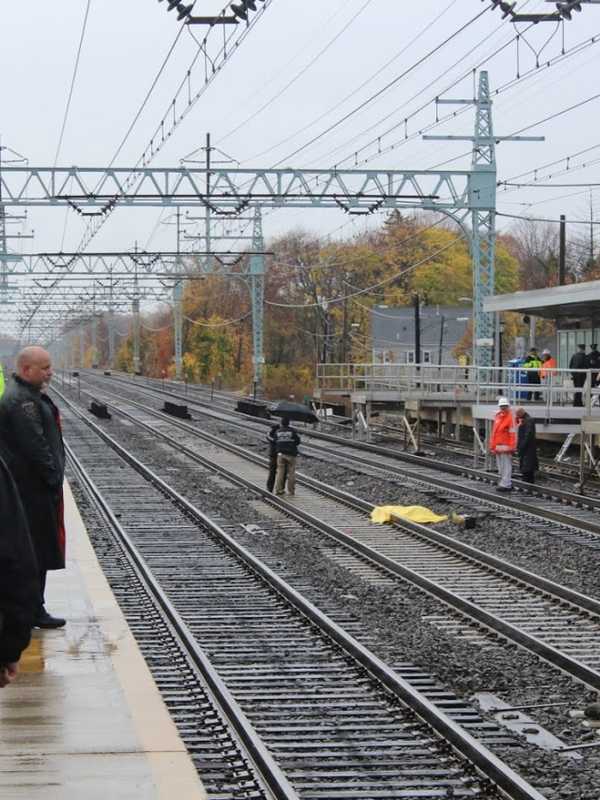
(45,270)
(153,264)
(89,304)
(223,191)
(253,277)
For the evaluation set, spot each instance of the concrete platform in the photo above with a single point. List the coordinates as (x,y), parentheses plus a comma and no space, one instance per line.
(84,718)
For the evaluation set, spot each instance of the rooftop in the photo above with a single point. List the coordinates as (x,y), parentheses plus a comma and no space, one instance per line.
(575,301)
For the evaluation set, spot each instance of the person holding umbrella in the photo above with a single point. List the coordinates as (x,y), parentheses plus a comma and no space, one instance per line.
(286,442)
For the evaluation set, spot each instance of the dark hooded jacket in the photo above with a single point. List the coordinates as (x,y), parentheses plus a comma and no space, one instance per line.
(285,440)
(32,445)
(527,445)
(19,589)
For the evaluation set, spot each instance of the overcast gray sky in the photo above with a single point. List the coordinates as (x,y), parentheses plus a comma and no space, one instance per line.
(327,49)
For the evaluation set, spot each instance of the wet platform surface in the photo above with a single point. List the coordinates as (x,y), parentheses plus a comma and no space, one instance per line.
(84,719)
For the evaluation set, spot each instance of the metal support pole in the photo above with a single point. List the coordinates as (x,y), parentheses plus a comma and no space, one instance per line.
(111,337)
(483,215)
(81,346)
(257,290)
(532,331)
(178,327)
(94,325)
(135,307)
(417,308)
(562,255)
(178,308)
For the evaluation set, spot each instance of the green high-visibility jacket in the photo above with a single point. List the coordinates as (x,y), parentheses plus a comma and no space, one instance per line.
(1,381)
(532,363)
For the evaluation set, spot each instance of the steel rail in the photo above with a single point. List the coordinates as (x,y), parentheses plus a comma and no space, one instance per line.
(490,766)
(580,602)
(542,492)
(267,768)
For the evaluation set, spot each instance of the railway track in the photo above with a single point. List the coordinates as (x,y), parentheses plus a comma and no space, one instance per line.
(552,621)
(321,716)
(544,506)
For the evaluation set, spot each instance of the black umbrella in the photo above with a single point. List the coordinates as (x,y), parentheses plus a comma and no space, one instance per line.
(293,411)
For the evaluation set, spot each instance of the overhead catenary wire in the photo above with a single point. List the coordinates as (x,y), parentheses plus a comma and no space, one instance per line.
(408,117)
(510,84)
(557,114)
(369,289)
(385,88)
(298,74)
(366,82)
(547,219)
(147,96)
(567,159)
(73,81)
(224,324)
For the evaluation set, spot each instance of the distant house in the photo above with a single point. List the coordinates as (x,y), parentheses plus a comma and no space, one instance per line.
(393,333)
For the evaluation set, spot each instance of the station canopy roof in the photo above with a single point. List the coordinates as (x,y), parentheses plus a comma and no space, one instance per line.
(574,302)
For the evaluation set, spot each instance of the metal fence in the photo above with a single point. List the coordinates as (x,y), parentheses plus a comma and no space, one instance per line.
(476,384)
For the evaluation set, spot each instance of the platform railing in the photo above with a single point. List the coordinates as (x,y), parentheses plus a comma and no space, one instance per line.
(478,385)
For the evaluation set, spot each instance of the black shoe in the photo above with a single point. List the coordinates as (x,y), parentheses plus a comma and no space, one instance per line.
(504,488)
(46,620)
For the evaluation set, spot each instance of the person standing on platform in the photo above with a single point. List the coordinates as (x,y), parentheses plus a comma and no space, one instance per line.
(504,443)
(526,445)
(578,361)
(533,366)
(19,593)
(549,365)
(31,438)
(286,443)
(593,363)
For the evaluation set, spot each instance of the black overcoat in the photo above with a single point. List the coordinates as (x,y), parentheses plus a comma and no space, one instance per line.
(527,445)
(31,442)
(19,582)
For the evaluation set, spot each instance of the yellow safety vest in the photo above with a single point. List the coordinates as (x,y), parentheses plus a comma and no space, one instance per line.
(1,381)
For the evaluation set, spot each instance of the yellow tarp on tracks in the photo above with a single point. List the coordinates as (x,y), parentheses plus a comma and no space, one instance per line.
(411,513)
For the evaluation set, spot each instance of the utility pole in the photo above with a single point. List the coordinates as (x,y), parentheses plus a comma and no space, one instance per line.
(257,289)
(325,307)
(482,205)
(416,306)
(81,346)
(178,306)
(562,253)
(94,329)
(441,350)
(344,328)
(111,327)
(135,307)
(592,253)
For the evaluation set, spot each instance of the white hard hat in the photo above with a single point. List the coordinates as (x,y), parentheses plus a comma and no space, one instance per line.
(546,352)
(502,401)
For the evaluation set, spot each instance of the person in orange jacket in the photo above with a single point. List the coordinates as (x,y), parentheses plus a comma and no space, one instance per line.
(549,365)
(504,443)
